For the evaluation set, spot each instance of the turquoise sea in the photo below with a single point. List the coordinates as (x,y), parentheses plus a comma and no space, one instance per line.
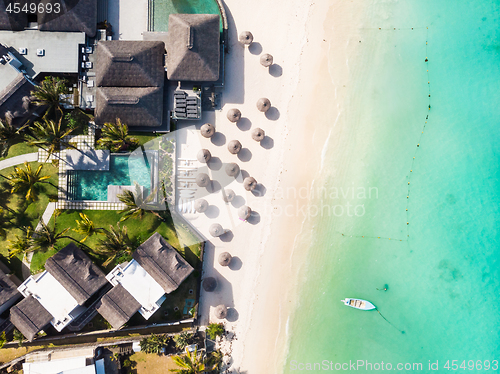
(430,229)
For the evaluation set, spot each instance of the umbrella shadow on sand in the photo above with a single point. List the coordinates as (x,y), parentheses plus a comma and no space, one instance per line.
(244,124)
(215,163)
(267,142)
(227,236)
(218,139)
(245,155)
(276,70)
(273,114)
(255,48)
(235,264)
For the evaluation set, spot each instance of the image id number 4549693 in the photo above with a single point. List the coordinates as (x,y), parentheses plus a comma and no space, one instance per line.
(27,7)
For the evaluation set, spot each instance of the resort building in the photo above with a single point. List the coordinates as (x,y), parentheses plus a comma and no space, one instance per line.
(130,78)
(58,295)
(80,360)
(140,285)
(8,292)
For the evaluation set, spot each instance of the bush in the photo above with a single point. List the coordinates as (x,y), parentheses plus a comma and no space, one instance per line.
(214,330)
(182,340)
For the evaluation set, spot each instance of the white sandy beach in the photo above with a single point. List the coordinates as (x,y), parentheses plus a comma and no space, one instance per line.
(260,287)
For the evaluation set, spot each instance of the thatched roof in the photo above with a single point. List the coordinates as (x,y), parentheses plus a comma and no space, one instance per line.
(8,290)
(215,230)
(266,60)
(74,270)
(122,63)
(233,115)
(258,134)
(249,183)
(162,262)
(245,38)
(263,104)
(134,106)
(244,212)
(225,259)
(232,169)
(204,156)
(202,180)
(209,284)
(201,205)
(29,317)
(228,195)
(221,311)
(75,16)
(12,99)
(117,306)
(193,51)
(207,130)
(234,146)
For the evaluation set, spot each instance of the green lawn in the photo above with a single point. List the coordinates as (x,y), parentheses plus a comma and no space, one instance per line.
(143,139)
(140,230)
(19,149)
(26,214)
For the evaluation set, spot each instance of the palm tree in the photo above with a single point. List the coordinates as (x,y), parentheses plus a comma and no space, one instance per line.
(136,206)
(116,138)
(21,245)
(154,343)
(182,340)
(46,238)
(86,227)
(9,135)
(191,363)
(115,244)
(49,136)
(26,179)
(49,92)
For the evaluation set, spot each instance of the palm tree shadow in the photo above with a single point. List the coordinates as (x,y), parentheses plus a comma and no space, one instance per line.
(191,257)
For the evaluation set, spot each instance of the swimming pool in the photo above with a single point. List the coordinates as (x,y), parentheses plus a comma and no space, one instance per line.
(161,9)
(123,170)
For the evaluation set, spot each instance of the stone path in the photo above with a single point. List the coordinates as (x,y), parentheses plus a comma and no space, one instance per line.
(13,161)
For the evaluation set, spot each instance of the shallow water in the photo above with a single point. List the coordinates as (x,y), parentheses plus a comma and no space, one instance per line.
(429,227)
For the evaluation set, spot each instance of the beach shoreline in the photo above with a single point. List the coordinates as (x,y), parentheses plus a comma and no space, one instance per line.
(261,296)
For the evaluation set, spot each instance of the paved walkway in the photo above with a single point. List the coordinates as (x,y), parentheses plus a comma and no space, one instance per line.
(13,161)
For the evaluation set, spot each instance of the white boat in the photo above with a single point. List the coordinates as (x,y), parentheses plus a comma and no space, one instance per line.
(359,304)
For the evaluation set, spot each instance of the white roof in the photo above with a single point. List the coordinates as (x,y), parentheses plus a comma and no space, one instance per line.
(59,367)
(140,285)
(61,50)
(53,297)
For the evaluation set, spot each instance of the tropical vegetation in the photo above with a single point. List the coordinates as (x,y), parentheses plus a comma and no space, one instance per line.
(154,343)
(214,330)
(9,135)
(50,136)
(182,340)
(115,244)
(136,206)
(192,363)
(25,180)
(116,138)
(51,93)
(87,227)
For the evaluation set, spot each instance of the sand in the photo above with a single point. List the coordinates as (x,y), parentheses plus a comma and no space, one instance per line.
(259,288)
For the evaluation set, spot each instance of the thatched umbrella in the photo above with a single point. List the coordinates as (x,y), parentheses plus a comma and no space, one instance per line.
(204,156)
(202,180)
(216,230)
(201,205)
(207,130)
(234,146)
(249,183)
(209,284)
(266,60)
(232,169)
(258,134)
(234,115)
(263,104)
(244,212)
(221,311)
(246,38)
(225,259)
(228,195)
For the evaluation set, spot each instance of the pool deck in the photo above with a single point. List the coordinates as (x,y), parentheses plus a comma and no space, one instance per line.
(129,18)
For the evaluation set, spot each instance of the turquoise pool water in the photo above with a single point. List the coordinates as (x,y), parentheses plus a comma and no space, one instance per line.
(435,241)
(123,171)
(161,9)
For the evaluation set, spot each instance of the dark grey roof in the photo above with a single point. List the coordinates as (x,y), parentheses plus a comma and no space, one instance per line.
(8,290)
(11,99)
(193,51)
(75,16)
(76,272)
(134,106)
(29,317)
(12,21)
(118,306)
(130,63)
(162,262)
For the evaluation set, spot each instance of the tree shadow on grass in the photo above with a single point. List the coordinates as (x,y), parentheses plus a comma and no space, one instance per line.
(191,257)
